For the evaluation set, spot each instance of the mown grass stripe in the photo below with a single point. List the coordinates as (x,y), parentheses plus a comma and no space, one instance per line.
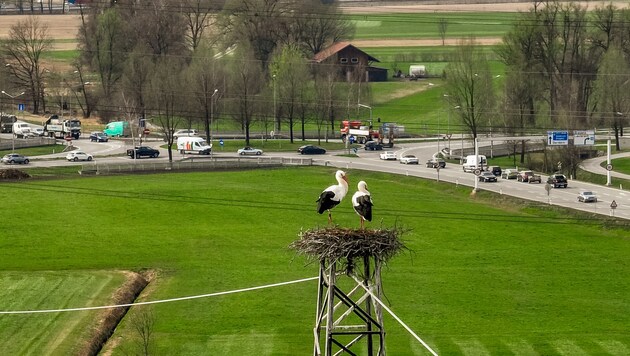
(614,347)
(521,347)
(568,347)
(472,347)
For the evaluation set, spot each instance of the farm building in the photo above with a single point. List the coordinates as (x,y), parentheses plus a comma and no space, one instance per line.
(353,64)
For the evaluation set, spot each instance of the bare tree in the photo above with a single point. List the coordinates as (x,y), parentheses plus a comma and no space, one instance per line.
(199,16)
(247,81)
(22,52)
(612,91)
(327,93)
(156,27)
(135,82)
(469,85)
(165,94)
(442,26)
(142,322)
(319,25)
(292,76)
(104,49)
(206,76)
(262,24)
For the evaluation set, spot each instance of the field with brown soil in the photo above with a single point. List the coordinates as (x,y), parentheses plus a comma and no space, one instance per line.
(65,27)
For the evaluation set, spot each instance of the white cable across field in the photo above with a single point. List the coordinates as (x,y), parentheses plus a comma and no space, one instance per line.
(158,301)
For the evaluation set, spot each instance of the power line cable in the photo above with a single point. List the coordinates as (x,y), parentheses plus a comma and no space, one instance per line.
(171,300)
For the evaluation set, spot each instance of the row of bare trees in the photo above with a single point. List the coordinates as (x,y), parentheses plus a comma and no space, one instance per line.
(176,62)
(565,69)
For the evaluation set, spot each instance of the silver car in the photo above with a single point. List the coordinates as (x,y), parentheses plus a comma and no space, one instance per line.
(587,197)
(13,158)
(249,151)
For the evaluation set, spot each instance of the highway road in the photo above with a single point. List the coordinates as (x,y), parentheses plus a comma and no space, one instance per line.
(113,152)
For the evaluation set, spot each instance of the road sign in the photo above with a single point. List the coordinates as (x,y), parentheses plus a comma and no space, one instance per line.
(21,107)
(477,172)
(613,205)
(584,138)
(557,138)
(221,142)
(147,131)
(609,167)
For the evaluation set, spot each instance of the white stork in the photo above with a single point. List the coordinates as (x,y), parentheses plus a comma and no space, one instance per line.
(362,203)
(333,195)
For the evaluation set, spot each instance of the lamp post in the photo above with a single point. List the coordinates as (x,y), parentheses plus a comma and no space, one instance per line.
(367,107)
(12,130)
(276,127)
(212,117)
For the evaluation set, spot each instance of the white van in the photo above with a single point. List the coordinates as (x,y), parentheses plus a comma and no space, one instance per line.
(470,165)
(193,144)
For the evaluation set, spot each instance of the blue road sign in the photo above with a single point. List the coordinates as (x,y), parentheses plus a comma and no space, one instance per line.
(221,142)
(557,138)
(21,107)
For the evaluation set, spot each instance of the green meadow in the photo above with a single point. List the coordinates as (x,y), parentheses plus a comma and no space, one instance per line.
(425,25)
(483,275)
(621,165)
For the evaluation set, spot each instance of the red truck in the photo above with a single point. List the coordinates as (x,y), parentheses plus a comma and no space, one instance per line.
(362,133)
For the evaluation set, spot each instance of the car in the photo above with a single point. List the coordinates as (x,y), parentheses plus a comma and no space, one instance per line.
(249,151)
(38,131)
(409,159)
(373,146)
(487,176)
(510,173)
(180,133)
(496,170)
(141,151)
(98,136)
(557,180)
(388,155)
(79,156)
(528,177)
(434,162)
(311,150)
(13,158)
(587,197)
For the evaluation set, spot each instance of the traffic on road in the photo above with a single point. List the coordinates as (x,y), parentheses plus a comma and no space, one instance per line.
(555,189)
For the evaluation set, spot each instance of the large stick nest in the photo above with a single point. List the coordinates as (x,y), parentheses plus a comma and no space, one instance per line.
(333,243)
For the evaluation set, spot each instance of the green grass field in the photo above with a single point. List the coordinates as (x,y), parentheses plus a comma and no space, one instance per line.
(54,333)
(621,165)
(486,275)
(425,25)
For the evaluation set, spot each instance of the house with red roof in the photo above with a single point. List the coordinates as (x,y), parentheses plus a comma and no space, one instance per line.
(352,63)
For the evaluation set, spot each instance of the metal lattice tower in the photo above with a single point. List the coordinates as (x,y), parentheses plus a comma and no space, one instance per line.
(347,315)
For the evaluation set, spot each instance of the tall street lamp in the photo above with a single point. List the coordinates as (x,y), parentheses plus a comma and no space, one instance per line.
(212,117)
(275,111)
(12,130)
(367,107)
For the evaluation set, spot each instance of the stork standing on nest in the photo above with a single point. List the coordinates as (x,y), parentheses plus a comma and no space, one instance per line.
(333,195)
(362,203)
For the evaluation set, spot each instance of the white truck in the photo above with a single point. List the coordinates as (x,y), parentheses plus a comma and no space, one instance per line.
(470,165)
(62,128)
(193,144)
(22,130)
